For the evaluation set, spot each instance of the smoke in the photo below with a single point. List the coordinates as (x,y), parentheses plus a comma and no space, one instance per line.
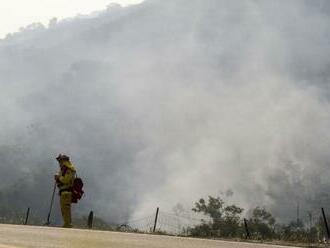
(169,101)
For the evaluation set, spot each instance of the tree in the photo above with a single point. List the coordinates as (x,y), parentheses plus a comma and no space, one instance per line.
(262,223)
(214,207)
(232,221)
(224,220)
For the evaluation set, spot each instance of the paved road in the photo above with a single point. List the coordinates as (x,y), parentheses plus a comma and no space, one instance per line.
(12,236)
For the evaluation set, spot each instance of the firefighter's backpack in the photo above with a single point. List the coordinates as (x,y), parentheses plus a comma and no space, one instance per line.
(77,189)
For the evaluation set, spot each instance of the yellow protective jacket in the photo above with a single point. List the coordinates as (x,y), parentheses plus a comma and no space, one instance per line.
(66,177)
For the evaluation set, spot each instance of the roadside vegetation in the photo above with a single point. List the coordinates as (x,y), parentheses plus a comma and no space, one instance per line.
(218,220)
(226,222)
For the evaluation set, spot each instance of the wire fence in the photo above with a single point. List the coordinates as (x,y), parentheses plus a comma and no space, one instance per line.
(309,225)
(164,222)
(183,223)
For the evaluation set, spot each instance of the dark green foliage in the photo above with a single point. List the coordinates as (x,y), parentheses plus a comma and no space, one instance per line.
(261,224)
(224,220)
(231,224)
(296,230)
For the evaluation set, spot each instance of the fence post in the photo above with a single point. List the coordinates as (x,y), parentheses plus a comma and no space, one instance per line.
(90,220)
(326,223)
(27,216)
(247,229)
(156,218)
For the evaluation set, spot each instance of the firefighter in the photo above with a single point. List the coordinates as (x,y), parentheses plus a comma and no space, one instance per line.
(64,180)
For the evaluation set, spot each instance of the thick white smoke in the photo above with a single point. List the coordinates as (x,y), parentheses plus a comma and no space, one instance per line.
(168,101)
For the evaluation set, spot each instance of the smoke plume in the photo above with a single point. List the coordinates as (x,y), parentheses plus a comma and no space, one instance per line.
(169,101)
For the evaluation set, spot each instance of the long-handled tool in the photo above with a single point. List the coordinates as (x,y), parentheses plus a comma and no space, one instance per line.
(51,206)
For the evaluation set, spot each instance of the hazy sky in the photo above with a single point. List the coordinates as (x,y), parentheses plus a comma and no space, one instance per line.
(170,101)
(19,13)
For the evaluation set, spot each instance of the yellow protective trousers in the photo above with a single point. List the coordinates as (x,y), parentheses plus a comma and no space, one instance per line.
(65,202)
